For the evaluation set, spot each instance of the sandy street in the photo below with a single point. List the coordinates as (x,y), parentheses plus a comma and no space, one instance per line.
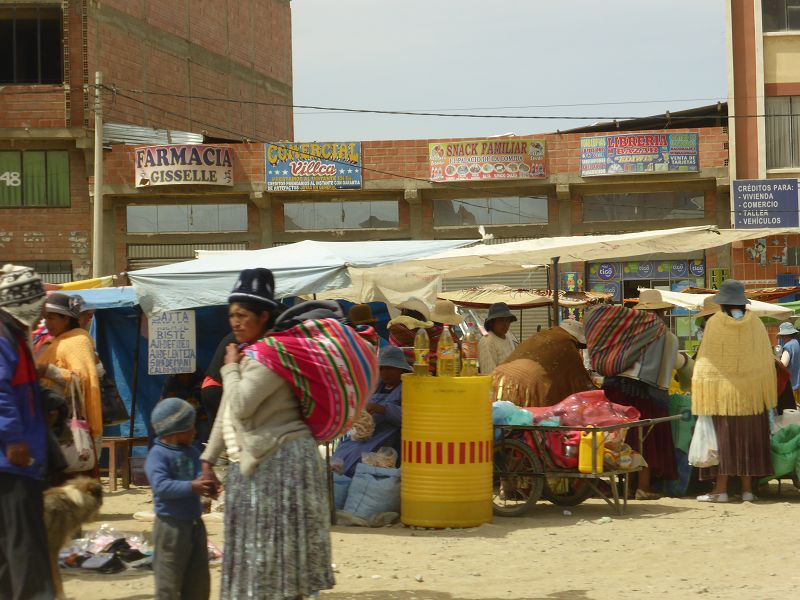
(673,548)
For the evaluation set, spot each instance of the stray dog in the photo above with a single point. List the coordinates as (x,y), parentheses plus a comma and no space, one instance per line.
(66,508)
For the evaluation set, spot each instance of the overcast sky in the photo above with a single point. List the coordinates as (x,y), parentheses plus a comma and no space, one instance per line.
(417,55)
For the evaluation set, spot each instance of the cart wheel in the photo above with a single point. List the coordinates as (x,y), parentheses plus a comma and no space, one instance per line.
(566,491)
(517,480)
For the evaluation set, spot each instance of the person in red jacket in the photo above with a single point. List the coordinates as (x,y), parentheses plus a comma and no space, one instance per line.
(24,564)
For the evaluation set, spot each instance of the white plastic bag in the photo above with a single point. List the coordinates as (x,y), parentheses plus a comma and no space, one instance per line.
(703,451)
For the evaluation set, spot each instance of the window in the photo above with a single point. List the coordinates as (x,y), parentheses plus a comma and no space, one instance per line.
(643,207)
(783,132)
(31,44)
(510,210)
(341,214)
(780,15)
(183,218)
(51,271)
(34,178)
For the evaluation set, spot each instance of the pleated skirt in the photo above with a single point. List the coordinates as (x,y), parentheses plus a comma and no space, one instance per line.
(744,447)
(277,527)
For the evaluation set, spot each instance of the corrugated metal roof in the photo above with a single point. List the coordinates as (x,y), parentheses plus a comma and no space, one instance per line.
(121,133)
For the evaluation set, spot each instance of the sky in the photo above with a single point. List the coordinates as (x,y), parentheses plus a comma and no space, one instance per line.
(479,55)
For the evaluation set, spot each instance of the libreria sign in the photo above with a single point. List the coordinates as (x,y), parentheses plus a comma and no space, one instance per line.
(184,165)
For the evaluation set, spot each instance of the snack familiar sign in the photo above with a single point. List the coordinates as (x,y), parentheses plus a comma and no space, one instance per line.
(486,159)
(634,153)
(318,166)
(189,164)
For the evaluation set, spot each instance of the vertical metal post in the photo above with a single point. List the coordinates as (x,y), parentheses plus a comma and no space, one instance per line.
(556,277)
(135,374)
(97,221)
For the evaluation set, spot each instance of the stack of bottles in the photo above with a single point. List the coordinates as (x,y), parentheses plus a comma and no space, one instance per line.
(450,360)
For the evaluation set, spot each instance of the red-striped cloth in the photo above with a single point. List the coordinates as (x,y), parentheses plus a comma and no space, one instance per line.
(332,369)
(617,336)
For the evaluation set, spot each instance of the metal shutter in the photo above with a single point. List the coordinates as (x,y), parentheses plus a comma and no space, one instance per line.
(143,256)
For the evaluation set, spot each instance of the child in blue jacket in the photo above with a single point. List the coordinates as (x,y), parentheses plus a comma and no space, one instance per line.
(180,550)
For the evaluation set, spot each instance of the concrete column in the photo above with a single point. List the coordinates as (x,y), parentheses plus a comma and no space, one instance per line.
(264,205)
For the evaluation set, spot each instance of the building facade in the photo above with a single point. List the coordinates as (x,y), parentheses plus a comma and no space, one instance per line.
(162,63)
(764,105)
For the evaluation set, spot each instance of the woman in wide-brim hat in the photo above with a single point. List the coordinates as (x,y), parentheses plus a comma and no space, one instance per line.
(735,383)
(497,344)
(277,522)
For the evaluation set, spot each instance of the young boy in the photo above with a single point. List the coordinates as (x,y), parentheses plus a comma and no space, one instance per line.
(180,552)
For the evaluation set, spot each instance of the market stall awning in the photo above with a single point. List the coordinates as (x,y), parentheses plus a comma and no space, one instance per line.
(762,294)
(302,268)
(694,302)
(518,299)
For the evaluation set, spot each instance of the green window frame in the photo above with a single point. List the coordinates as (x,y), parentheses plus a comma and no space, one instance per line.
(34,178)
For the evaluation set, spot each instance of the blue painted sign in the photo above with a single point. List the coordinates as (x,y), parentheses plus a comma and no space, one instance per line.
(679,268)
(770,203)
(313,167)
(606,271)
(639,153)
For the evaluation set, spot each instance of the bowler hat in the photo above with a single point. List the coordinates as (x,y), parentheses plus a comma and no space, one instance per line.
(498,310)
(392,356)
(361,314)
(255,285)
(731,293)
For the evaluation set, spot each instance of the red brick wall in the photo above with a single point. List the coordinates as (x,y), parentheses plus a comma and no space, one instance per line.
(255,34)
(31,234)
(32,106)
(746,261)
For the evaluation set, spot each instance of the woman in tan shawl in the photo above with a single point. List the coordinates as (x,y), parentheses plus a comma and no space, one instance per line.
(734,382)
(545,368)
(70,354)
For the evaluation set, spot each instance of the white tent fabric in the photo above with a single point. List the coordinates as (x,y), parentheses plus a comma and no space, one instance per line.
(498,258)
(302,268)
(694,302)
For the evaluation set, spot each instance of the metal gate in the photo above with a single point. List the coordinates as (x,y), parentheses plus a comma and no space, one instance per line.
(143,256)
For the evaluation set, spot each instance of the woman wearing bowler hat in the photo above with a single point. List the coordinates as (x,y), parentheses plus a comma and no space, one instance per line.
(497,344)
(735,383)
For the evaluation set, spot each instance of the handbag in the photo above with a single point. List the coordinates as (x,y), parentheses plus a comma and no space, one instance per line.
(78,446)
(114,410)
(703,451)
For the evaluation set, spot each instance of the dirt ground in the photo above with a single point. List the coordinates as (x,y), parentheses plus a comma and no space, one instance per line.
(671,548)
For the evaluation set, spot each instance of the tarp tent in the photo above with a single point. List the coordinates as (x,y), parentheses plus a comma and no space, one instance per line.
(303,268)
(694,302)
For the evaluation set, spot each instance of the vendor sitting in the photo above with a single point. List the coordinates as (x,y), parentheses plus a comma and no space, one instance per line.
(383,410)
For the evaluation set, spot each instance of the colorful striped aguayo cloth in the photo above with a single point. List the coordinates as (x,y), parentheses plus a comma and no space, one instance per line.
(617,336)
(332,369)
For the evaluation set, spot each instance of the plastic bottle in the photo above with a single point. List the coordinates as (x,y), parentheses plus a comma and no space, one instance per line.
(469,353)
(585,452)
(447,355)
(422,347)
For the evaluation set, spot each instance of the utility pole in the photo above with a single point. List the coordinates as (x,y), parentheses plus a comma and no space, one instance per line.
(97,221)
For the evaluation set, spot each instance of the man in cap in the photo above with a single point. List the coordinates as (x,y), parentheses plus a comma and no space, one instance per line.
(24,563)
(497,344)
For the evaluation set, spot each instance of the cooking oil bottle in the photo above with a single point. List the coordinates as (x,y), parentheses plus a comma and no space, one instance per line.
(447,355)
(469,353)
(422,347)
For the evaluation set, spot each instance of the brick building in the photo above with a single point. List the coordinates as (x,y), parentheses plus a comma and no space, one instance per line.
(764,100)
(399,198)
(155,54)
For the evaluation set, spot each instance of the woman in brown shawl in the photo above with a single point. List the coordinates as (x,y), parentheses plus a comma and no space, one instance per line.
(545,368)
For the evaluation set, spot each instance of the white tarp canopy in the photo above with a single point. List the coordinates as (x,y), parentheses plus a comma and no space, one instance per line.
(303,268)
(694,302)
(499,258)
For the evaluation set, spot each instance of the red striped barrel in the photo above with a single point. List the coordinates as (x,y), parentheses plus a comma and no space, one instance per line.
(446,451)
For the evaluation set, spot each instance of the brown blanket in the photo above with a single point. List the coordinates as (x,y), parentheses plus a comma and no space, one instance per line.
(542,371)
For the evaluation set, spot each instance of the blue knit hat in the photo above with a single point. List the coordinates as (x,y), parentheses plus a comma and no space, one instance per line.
(172,415)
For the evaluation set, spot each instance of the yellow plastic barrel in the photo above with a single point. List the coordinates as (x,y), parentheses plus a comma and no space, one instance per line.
(447,451)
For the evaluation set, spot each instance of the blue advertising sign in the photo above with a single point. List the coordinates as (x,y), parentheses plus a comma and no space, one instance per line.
(679,268)
(639,153)
(606,271)
(761,203)
(313,167)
